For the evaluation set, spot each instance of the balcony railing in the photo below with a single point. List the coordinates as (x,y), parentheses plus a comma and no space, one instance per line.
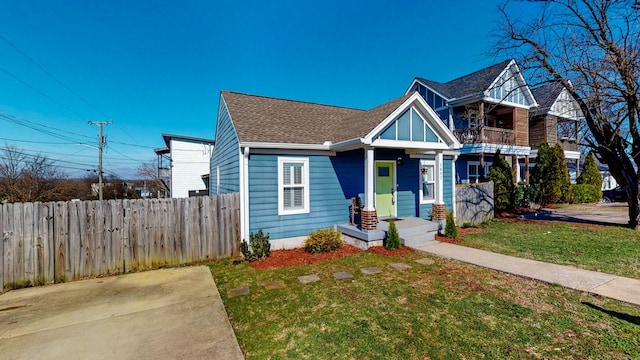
(486,134)
(568,144)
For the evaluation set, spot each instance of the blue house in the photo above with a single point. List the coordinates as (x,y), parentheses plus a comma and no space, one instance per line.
(298,165)
(487,110)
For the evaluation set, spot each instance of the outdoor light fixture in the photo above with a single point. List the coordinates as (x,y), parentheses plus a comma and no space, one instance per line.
(400,161)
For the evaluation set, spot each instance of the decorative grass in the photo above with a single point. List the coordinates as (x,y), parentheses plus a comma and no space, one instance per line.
(610,249)
(448,310)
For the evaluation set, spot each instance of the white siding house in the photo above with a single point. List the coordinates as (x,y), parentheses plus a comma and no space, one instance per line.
(188,165)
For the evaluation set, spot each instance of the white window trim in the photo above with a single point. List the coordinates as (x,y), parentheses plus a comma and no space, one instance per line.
(435,181)
(487,165)
(305,185)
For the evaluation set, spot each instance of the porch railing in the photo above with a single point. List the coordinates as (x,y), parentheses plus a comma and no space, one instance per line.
(568,144)
(486,134)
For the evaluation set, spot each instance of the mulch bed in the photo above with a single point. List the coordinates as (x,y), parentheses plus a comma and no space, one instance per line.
(461,233)
(297,257)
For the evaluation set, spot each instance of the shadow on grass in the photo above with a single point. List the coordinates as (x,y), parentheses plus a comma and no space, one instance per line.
(622,316)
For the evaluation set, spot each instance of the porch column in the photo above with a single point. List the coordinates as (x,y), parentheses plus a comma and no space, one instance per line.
(439,209)
(440,182)
(516,169)
(526,169)
(369,218)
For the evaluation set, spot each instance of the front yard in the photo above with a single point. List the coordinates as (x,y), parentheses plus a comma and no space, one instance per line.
(447,310)
(610,249)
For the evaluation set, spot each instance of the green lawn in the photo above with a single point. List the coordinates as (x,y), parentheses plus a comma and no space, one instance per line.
(448,310)
(610,249)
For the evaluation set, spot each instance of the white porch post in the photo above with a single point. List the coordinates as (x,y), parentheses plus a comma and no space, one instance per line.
(369,175)
(440,172)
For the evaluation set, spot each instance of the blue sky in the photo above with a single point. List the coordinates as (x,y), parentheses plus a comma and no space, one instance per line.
(158,67)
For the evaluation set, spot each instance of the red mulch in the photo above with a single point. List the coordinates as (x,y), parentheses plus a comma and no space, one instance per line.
(296,257)
(461,233)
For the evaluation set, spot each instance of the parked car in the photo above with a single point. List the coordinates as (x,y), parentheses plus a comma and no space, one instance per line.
(615,194)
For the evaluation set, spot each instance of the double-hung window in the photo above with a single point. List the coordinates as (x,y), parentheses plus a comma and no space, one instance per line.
(427,181)
(293,186)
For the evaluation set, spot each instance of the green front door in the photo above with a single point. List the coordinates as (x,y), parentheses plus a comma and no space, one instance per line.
(385,192)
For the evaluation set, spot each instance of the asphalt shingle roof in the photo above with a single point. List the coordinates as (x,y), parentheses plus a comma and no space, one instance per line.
(272,120)
(546,95)
(473,83)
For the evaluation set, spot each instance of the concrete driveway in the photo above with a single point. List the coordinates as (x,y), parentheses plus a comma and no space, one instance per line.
(161,314)
(601,214)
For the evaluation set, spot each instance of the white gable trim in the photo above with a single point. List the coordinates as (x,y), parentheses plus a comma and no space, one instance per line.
(520,79)
(430,116)
(416,81)
(565,96)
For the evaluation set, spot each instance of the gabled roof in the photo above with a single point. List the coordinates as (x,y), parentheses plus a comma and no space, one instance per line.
(474,83)
(271,120)
(546,95)
(260,119)
(554,99)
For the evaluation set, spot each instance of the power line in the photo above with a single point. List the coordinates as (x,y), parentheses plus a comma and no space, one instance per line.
(56,79)
(39,91)
(32,125)
(52,76)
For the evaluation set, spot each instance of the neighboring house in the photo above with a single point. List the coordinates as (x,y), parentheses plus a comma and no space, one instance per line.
(488,110)
(183,163)
(297,165)
(555,121)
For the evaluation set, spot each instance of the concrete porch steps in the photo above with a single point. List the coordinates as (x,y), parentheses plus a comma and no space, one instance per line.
(413,231)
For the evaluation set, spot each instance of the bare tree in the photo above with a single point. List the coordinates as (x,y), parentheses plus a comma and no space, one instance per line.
(28,178)
(149,171)
(592,47)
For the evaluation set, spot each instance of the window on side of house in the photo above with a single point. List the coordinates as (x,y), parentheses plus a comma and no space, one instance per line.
(474,173)
(293,186)
(428,185)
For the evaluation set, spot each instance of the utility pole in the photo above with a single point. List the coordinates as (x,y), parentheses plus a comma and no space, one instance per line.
(101,142)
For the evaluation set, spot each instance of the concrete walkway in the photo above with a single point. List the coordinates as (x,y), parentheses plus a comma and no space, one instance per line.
(611,286)
(161,314)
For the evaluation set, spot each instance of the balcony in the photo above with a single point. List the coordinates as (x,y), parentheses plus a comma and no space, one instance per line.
(486,134)
(568,144)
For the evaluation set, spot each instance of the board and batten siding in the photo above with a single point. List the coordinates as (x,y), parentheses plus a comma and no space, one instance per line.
(189,161)
(334,180)
(225,161)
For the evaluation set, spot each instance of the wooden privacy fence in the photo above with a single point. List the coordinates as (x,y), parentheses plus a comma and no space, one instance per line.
(62,241)
(474,203)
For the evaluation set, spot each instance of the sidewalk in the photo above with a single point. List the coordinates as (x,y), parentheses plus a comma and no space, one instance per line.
(611,286)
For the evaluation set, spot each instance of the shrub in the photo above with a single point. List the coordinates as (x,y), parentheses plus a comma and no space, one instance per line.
(322,241)
(586,193)
(393,238)
(525,195)
(590,173)
(503,189)
(550,176)
(450,229)
(260,247)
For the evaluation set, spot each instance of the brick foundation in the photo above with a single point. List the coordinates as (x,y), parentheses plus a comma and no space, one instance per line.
(439,212)
(369,220)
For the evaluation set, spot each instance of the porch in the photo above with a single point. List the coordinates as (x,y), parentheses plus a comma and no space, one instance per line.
(413,232)
(486,134)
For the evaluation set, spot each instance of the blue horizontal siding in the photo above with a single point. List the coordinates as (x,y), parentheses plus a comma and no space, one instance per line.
(448,184)
(225,154)
(333,181)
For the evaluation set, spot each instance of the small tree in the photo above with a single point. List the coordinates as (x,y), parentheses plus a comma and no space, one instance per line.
(393,238)
(590,174)
(502,176)
(561,173)
(550,176)
(450,229)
